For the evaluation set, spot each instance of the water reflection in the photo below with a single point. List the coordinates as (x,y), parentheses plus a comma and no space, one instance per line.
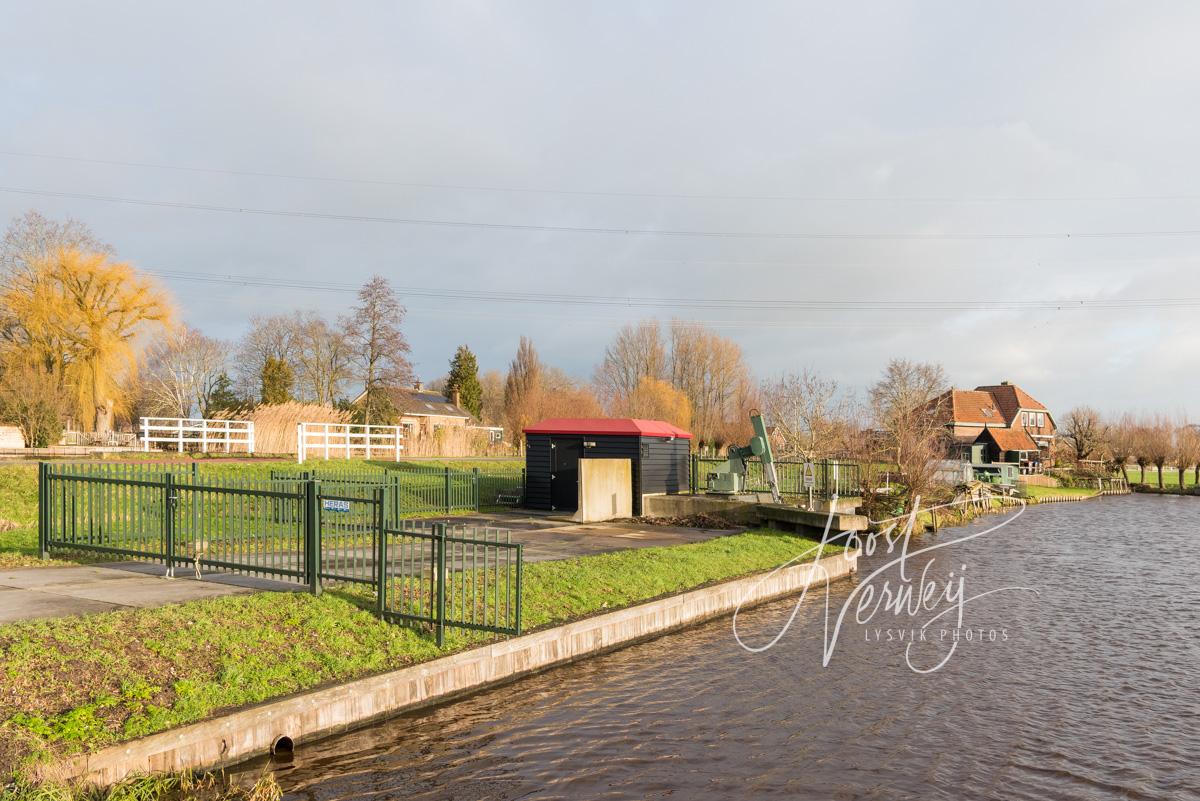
(1093,694)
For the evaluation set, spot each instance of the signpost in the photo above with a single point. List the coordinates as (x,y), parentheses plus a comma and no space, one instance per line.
(810,481)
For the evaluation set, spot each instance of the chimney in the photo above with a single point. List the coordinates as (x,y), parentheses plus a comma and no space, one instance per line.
(455,398)
(417,385)
(1004,383)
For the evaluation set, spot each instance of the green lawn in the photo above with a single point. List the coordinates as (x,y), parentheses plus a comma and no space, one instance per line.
(78,683)
(18,491)
(1058,492)
(1170,477)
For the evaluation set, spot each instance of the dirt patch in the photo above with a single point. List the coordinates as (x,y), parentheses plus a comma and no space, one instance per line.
(9,525)
(688,521)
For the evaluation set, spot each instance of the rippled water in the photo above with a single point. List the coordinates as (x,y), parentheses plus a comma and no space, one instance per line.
(1095,693)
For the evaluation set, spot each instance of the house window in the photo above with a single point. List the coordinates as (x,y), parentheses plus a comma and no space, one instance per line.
(1041,419)
(1024,419)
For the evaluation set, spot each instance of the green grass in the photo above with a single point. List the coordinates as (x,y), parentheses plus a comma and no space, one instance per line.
(1035,492)
(80,683)
(18,492)
(1170,477)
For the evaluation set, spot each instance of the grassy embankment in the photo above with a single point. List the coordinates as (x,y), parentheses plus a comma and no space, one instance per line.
(18,493)
(1034,493)
(1170,477)
(80,683)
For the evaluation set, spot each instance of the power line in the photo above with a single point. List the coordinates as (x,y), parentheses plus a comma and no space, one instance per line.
(603,193)
(708,304)
(597,229)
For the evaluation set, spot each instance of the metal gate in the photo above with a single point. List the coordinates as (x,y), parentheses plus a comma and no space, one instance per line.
(291,528)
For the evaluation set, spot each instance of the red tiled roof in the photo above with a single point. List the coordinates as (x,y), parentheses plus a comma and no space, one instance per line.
(627,426)
(967,406)
(1012,399)
(1010,439)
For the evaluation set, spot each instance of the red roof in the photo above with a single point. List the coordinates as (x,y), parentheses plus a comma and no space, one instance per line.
(627,426)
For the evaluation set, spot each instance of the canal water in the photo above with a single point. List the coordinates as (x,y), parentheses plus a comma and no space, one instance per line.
(1086,685)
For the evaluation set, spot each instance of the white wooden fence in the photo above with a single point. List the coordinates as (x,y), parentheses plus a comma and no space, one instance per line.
(207,435)
(347,440)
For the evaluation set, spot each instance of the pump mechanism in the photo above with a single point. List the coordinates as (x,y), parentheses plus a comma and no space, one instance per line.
(730,478)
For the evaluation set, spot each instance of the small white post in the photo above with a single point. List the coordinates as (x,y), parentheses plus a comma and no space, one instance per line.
(179,435)
(145,435)
(300,443)
(396,433)
(368,442)
(250,437)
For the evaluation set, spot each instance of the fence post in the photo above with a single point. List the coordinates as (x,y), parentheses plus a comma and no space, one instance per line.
(44,510)
(693,469)
(520,578)
(312,536)
(475,470)
(169,522)
(446,487)
(381,544)
(439,530)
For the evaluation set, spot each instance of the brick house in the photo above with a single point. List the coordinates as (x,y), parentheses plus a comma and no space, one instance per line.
(1007,422)
(422,411)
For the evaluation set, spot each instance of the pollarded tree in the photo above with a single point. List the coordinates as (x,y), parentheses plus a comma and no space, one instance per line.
(1121,438)
(464,379)
(1157,442)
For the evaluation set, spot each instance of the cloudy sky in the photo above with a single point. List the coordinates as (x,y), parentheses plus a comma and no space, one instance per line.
(830,184)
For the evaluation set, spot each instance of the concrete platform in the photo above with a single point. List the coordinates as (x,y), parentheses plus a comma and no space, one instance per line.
(43,592)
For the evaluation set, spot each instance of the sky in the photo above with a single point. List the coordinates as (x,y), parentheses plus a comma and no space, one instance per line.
(1009,189)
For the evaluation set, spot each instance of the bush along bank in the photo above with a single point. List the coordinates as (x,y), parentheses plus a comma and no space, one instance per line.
(73,685)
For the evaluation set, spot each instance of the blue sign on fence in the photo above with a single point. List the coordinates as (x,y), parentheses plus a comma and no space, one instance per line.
(335,506)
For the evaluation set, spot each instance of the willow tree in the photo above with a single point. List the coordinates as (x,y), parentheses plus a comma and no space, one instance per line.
(81,315)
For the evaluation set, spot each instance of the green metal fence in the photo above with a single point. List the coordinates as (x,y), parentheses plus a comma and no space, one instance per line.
(300,528)
(829,477)
(461,576)
(420,489)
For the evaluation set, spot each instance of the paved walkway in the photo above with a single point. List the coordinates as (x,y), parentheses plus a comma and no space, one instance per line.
(41,592)
(44,592)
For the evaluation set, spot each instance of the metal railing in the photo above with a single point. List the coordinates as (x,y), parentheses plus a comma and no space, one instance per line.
(198,433)
(296,528)
(348,441)
(829,477)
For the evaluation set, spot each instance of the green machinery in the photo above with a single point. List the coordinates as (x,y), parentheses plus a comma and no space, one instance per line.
(730,478)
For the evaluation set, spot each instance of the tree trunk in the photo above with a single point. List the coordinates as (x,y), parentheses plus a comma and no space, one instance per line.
(103,405)
(1160,465)
(1125,474)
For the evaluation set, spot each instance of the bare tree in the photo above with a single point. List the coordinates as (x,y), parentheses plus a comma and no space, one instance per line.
(269,337)
(378,346)
(322,358)
(1157,442)
(522,389)
(901,403)
(638,352)
(1121,438)
(807,412)
(492,383)
(182,372)
(710,371)
(32,238)
(1188,447)
(1084,431)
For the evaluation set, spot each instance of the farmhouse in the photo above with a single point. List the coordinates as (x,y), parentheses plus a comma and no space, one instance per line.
(422,411)
(1009,423)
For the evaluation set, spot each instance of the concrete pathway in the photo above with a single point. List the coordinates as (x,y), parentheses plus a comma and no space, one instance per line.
(41,592)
